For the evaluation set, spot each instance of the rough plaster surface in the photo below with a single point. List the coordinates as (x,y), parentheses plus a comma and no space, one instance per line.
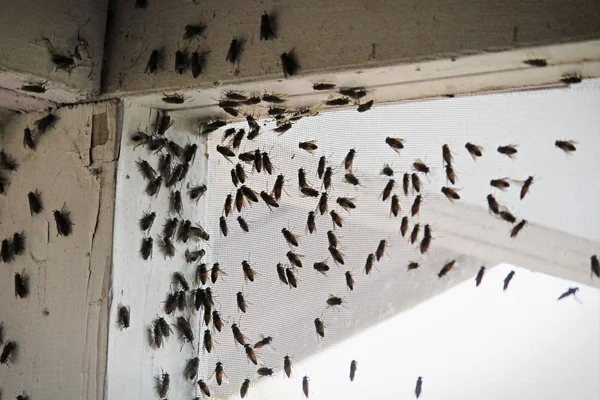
(23,24)
(328,35)
(61,327)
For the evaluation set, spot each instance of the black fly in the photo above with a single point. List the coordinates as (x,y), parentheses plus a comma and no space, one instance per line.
(21,287)
(124,317)
(289,64)
(153,62)
(266,28)
(235,49)
(35,202)
(63,222)
(197,62)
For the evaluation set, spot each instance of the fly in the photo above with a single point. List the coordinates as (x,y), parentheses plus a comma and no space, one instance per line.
(219,373)
(284,127)
(337,255)
(406,183)
(412,265)
(146,249)
(35,87)
(353,92)
(193,31)
(338,101)
(395,143)
(450,193)
(257,161)
(244,388)
(446,268)
(568,146)
(291,278)
(508,279)
(509,150)
(305,386)
(507,216)
(153,62)
(416,182)
(321,267)
(250,354)
(349,280)
(414,234)
(249,194)
(322,206)
(474,150)
(223,226)
(324,86)
(310,192)
(404,226)
(369,263)
(387,171)
(21,286)
(35,202)
(336,218)
(196,192)
(420,166)
(536,62)
(238,336)
(197,62)
(191,368)
(249,273)
(266,28)
(239,200)
(202,273)
(281,274)
(264,342)
(240,173)
(353,366)
(204,388)
(320,327)
(287,366)
(416,206)
(501,183)
(447,154)
(182,61)
(380,249)
(215,272)
(570,292)
(349,160)
(28,138)
(350,178)
(517,228)
(479,276)
(163,385)
(571,78)
(264,371)
(243,224)
(43,124)
(241,302)
(347,203)
(235,50)
(294,258)
(194,255)
(395,207)
(387,191)
(418,387)
(310,146)
(365,106)
(526,186)
(278,186)
(493,204)
(289,64)
(63,222)
(290,238)
(327,175)
(273,98)
(266,161)
(450,174)
(310,222)
(334,301)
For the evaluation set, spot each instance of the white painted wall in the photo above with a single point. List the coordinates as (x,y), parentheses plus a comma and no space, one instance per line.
(464,230)
(60,328)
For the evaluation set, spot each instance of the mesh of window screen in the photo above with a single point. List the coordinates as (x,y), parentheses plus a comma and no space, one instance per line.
(288,314)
